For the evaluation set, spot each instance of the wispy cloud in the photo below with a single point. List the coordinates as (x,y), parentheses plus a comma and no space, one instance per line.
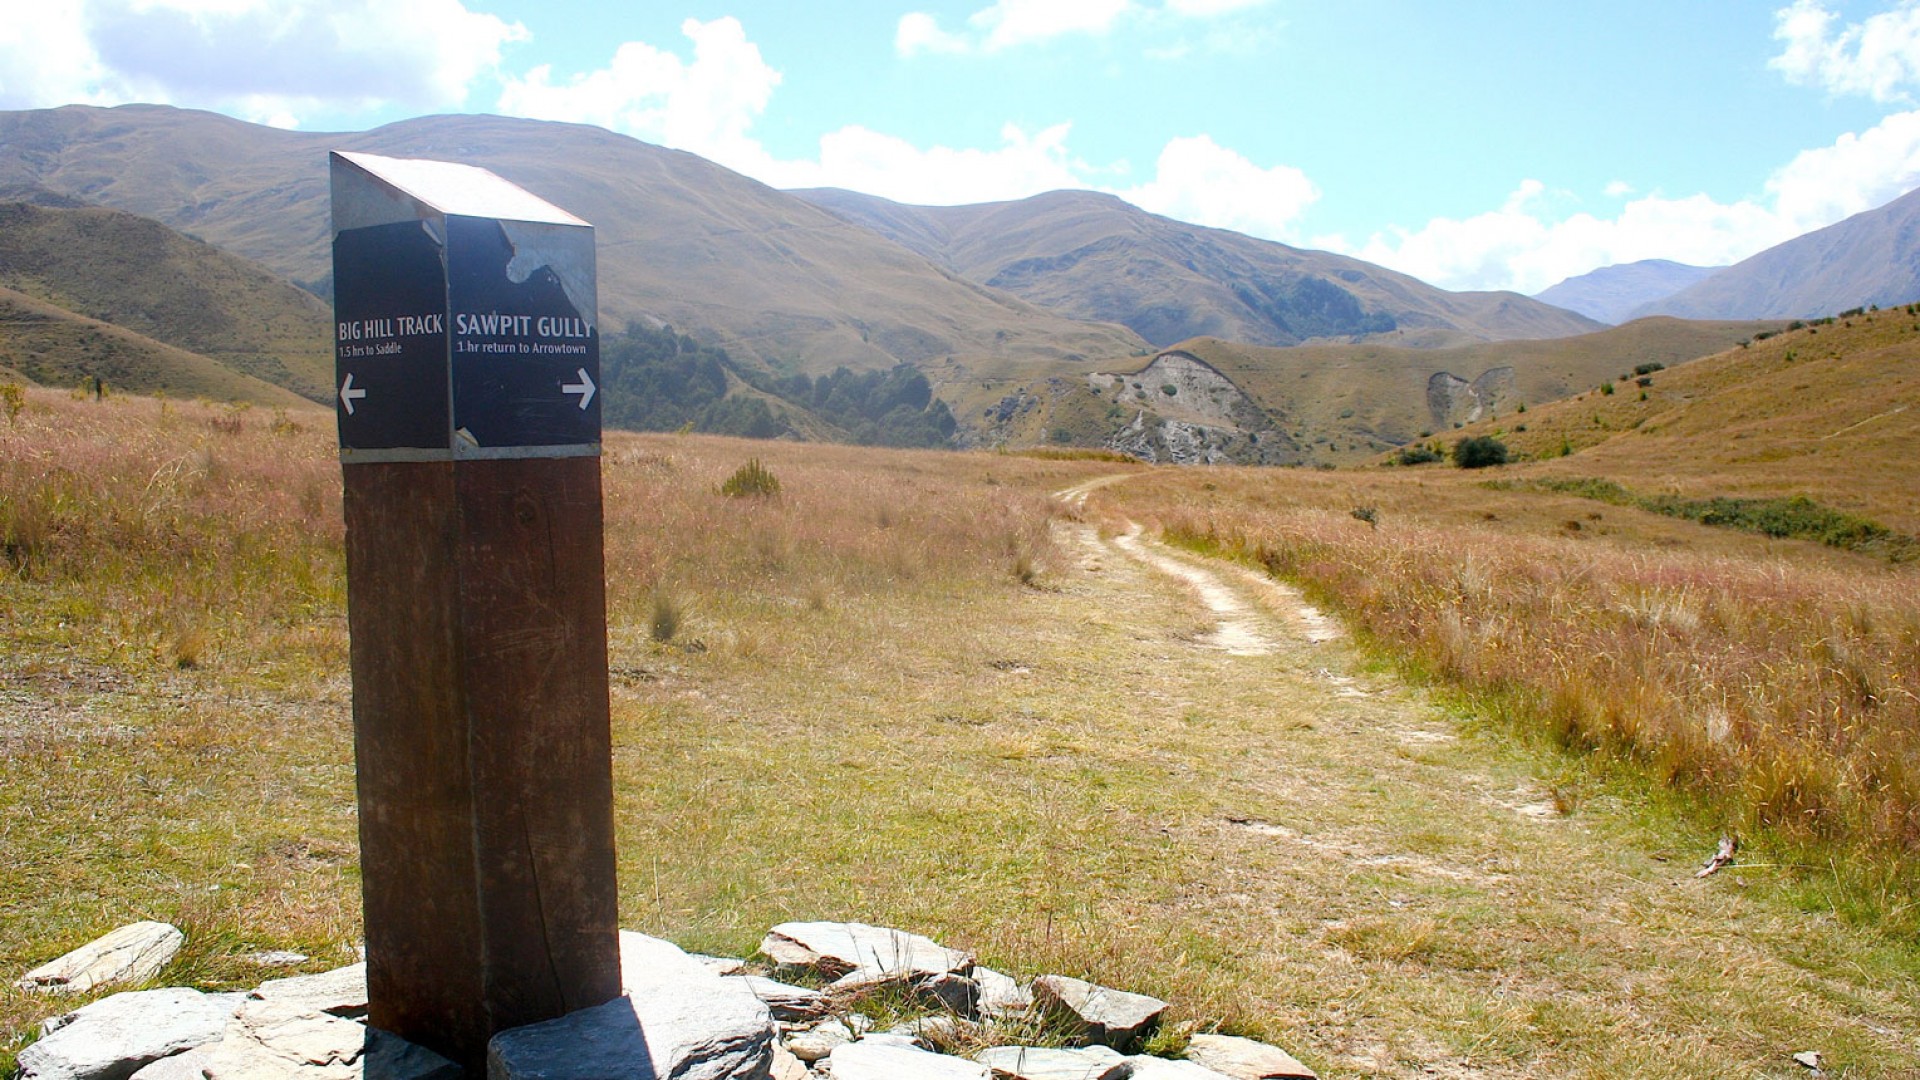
(1878,57)
(268,60)
(1013,23)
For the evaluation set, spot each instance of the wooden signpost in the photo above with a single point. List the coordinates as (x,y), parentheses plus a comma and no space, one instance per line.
(467,365)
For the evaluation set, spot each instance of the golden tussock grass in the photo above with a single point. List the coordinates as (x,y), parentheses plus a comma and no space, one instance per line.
(1777,680)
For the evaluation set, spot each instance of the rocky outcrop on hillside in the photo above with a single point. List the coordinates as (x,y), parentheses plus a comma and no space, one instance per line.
(1452,400)
(1184,411)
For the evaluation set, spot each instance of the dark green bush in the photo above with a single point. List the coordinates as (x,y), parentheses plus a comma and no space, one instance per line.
(1479,451)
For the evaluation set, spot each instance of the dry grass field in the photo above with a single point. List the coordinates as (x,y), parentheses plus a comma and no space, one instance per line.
(915,689)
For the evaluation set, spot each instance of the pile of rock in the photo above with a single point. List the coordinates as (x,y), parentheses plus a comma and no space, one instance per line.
(682,1016)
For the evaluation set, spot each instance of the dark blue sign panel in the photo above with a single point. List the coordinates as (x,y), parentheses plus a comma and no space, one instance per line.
(526,359)
(390,339)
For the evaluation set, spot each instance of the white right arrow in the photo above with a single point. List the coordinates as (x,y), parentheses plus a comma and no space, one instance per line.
(348,395)
(584,387)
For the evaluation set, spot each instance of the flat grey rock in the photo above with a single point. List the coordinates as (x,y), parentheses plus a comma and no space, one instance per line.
(839,950)
(791,1003)
(132,954)
(707,1029)
(1000,996)
(787,1067)
(1246,1059)
(190,1065)
(721,965)
(1157,1068)
(282,1040)
(1099,1014)
(651,961)
(116,1036)
(1051,1063)
(342,991)
(816,1043)
(870,1059)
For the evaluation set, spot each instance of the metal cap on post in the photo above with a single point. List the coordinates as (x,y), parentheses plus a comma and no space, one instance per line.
(467,374)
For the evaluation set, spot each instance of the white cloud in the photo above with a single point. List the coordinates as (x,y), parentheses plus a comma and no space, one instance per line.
(265,59)
(1010,23)
(868,161)
(46,59)
(1619,189)
(920,32)
(1208,9)
(1879,57)
(1199,180)
(1522,246)
(1858,172)
(706,105)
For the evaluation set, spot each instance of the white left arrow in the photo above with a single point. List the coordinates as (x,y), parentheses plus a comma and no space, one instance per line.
(584,387)
(348,395)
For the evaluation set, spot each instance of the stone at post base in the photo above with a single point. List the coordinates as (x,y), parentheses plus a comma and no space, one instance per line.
(871,1059)
(278,1040)
(1246,1059)
(1048,1063)
(858,953)
(115,1036)
(1099,1014)
(704,1029)
(132,954)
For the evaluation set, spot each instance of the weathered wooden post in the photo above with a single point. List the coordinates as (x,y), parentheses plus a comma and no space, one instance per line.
(467,362)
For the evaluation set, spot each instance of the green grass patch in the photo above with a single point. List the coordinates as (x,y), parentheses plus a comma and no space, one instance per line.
(1795,518)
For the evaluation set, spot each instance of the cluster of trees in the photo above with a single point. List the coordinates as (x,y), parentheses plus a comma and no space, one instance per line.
(661,380)
(877,408)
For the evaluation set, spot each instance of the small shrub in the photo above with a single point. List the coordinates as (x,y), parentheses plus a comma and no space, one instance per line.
(752,480)
(1368,514)
(1643,382)
(1416,454)
(663,621)
(1648,368)
(1169,389)
(13,399)
(1479,451)
(1606,389)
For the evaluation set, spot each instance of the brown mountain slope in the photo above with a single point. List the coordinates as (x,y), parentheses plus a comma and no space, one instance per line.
(1831,412)
(50,345)
(1870,258)
(1095,256)
(140,275)
(681,240)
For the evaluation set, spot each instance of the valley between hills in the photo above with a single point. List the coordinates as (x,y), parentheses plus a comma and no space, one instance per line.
(1403,765)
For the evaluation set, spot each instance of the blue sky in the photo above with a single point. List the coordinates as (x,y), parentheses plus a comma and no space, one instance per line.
(1476,145)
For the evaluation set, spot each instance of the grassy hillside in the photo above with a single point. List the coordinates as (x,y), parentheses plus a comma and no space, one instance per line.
(1830,411)
(138,274)
(49,345)
(776,281)
(1346,404)
(1095,256)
